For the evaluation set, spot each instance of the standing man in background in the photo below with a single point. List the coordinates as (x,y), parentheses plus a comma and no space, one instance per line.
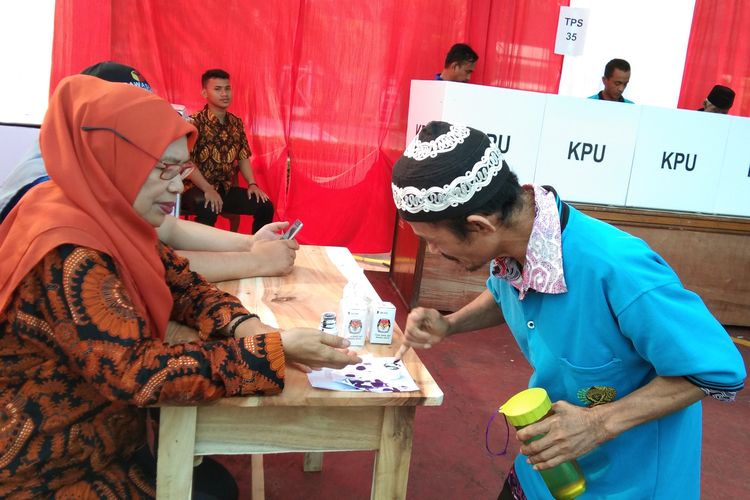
(615,80)
(221,150)
(719,100)
(459,64)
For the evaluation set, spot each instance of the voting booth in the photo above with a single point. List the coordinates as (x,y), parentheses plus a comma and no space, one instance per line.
(678,179)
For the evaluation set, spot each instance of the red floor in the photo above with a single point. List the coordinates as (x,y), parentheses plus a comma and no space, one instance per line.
(477,372)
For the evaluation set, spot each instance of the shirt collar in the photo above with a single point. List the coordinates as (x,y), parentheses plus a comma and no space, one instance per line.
(543,270)
(213,118)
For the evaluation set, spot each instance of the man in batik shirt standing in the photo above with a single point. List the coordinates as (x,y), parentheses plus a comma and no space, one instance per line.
(221,150)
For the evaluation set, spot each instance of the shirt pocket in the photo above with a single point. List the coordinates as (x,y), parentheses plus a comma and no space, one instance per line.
(592,385)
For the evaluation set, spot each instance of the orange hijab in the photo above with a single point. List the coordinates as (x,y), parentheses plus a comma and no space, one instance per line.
(96,177)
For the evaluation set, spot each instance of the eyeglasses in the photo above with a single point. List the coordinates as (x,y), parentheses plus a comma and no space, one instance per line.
(168,170)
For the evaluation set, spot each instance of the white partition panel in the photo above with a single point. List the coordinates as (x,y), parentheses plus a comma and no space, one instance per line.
(678,160)
(15,143)
(587,149)
(511,118)
(603,152)
(425,105)
(734,181)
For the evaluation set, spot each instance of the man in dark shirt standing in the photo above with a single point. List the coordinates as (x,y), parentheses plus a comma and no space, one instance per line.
(221,150)
(616,78)
(459,64)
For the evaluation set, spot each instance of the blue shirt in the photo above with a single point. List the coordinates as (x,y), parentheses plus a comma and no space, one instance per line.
(625,319)
(599,97)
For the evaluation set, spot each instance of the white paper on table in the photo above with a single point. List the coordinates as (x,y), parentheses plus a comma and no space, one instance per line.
(373,374)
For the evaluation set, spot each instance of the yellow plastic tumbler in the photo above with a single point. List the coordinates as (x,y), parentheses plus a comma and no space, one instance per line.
(565,481)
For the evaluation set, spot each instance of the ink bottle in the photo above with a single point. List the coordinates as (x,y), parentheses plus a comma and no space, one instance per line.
(354,314)
(564,481)
(328,323)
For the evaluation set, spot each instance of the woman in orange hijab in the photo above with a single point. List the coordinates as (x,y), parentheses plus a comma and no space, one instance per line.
(86,292)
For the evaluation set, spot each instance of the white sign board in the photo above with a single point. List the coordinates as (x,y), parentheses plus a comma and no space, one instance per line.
(587,149)
(511,118)
(734,181)
(571,31)
(678,160)
(425,105)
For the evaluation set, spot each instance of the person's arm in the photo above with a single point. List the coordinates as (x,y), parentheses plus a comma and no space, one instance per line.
(140,368)
(482,312)
(252,188)
(221,255)
(183,234)
(309,349)
(198,303)
(208,309)
(573,431)
(268,258)
(426,327)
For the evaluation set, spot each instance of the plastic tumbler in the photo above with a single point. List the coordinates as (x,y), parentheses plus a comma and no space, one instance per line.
(565,481)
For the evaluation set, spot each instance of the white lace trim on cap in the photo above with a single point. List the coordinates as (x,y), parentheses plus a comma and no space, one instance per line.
(435,199)
(419,150)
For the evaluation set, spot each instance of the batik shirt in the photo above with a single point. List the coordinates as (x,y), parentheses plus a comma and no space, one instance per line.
(219,147)
(78,364)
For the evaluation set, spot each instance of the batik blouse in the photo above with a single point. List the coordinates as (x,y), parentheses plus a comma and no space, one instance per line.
(78,364)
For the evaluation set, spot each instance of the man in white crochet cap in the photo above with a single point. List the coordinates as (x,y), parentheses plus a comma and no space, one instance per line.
(623,350)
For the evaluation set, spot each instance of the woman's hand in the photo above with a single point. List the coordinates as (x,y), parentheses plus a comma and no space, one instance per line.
(316,349)
(271,231)
(275,258)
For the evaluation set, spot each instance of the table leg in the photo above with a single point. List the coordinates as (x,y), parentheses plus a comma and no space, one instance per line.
(174,467)
(392,458)
(258,478)
(313,461)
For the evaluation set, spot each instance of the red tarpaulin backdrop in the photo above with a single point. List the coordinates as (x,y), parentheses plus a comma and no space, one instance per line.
(718,52)
(322,85)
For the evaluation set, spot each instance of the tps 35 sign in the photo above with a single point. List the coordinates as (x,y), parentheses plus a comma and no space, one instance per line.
(571,31)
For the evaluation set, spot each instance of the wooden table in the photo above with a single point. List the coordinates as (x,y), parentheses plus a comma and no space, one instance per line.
(301,419)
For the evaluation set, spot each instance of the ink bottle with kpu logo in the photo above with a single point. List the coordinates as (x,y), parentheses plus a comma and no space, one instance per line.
(565,481)
(354,314)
